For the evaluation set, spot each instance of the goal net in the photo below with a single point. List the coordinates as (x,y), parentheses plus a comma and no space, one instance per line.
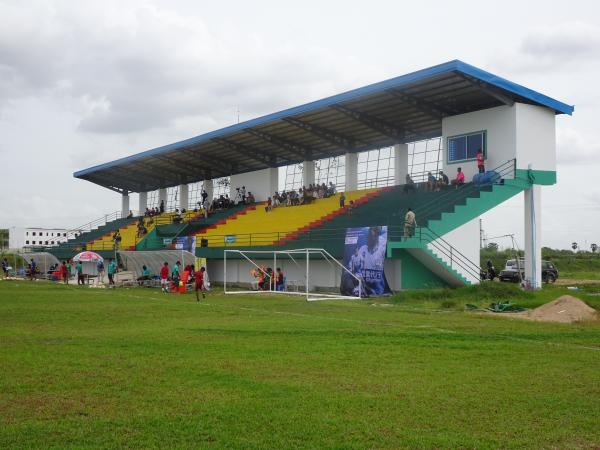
(309,272)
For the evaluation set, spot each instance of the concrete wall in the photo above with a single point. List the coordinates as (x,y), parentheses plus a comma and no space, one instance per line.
(524,132)
(535,137)
(499,124)
(465,239)
(262,183)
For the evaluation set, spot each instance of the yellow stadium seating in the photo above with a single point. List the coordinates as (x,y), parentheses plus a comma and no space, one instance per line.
(129,237)
(258,227)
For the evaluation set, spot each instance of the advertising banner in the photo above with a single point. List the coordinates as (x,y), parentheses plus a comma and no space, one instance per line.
(364,255)
(187,243)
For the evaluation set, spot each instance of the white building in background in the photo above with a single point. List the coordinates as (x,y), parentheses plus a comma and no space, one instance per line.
(20,237)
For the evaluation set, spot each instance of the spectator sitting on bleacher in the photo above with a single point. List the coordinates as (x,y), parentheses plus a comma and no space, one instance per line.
(443,181)
(431,182)
(178,216)
(250,199)
(460,178)
(130,215)
(409,185)
(162,206)
(146,275)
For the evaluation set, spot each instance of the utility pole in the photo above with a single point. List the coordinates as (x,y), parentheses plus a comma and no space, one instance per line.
(481,240)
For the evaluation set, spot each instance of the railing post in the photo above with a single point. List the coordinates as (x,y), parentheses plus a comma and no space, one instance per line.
(451,256)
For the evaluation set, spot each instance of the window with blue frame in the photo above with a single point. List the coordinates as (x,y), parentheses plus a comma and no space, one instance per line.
(465,146)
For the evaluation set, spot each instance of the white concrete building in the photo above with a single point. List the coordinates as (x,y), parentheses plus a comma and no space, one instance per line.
(24,237)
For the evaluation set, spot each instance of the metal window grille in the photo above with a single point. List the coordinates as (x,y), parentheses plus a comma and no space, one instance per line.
(194,194)
(221,186)
(376,168)
(152,200)
(423,157)
(293,177)
(331,170)
(172,198)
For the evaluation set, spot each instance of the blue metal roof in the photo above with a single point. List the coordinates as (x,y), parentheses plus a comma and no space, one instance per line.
(494,87)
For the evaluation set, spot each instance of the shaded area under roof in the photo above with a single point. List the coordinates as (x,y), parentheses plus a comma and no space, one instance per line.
(403,109)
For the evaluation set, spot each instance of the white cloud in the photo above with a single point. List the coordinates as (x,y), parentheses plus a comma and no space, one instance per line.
(573,148)
(562,47)
(138,67)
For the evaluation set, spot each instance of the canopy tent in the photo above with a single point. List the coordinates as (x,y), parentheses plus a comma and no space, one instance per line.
(402,109)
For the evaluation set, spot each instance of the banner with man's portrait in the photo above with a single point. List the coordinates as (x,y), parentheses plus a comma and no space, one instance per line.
(364,255)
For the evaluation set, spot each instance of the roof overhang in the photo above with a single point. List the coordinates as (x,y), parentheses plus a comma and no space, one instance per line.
(402,109)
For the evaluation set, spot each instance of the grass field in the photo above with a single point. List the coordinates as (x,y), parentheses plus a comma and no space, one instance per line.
(135,368)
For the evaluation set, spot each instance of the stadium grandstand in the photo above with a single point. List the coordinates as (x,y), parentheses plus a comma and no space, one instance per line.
(359,159)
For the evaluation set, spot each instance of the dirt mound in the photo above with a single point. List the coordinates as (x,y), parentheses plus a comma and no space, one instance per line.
(566,309)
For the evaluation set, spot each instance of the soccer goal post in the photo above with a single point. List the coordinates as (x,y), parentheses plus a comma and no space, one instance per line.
(296,278)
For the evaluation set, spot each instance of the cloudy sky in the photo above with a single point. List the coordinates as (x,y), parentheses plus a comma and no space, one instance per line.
(85,82)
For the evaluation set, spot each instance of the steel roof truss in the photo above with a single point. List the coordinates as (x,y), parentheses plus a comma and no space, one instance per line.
(285,144)
(332,137)
(264,157)
(490,90)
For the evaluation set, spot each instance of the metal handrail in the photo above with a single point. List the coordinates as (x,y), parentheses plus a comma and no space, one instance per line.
(455,256)
(502,170)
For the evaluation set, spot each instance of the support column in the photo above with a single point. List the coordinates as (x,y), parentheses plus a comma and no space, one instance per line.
(143,203)
(308,173)
(124,204)
(533,238)
(207,185)
(351,172)
(400,163)
(184,190)
(273,181)
(162,197)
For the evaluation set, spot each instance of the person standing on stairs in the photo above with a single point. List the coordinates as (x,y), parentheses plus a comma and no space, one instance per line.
(480,161)
(410,223)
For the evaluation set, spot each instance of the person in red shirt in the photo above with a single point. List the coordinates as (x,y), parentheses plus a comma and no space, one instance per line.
(460,178)
(199,283)
(480,163)
(64,274)
(164,277)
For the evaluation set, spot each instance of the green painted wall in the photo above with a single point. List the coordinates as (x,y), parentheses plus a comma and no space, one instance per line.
(543,177)
(413,274)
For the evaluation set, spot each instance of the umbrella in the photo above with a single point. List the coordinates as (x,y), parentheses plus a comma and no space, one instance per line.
(87,257)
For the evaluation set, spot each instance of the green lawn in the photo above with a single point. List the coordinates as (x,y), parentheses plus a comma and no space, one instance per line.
(136,368)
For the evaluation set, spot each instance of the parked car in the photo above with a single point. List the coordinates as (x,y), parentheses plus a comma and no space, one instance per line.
(516,272)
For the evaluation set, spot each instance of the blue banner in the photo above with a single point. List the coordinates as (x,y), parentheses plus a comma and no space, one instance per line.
(364,255)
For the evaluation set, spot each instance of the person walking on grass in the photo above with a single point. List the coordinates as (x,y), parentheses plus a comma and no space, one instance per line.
(79,270)
(164,277)
(410,223)
(32,269)
(64,274)
(112,269)
(199,283)
(5,266)
(100,267)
